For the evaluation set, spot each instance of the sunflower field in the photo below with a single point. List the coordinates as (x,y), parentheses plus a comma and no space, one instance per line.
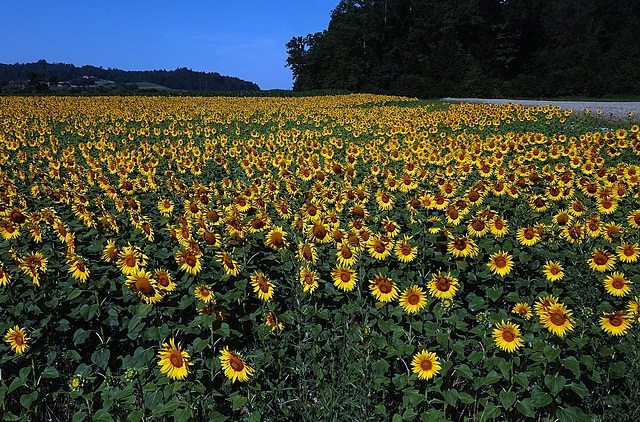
(350,257)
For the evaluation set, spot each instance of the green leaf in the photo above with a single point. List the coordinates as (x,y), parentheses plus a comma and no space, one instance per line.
(555,383)
(237,401)
(507,398)
(217,417)
(101,357)
(27,399)
(450,396)
(580,389)
(224,330)
(490,411)
(80,336)
(539,398)
(572,364)
(50,372)
(494,294)
(464,371)
(572,414)
(16,383)
(521,378)
(525,406)
(551,353)
(102,416)
(78,417)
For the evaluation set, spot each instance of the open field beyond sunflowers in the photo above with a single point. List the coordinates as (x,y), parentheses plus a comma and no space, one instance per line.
(326,258)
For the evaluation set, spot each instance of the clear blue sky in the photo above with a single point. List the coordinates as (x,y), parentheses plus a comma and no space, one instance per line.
(241,38)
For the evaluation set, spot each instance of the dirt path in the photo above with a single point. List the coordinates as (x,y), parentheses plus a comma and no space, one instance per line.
(607,109)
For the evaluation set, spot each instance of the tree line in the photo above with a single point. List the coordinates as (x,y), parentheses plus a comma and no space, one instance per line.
(486,48)
(40,75)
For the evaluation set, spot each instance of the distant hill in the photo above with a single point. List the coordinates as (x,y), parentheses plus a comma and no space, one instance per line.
(42,74)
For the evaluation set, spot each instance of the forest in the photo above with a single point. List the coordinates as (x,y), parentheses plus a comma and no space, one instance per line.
(40,76)
(484,48)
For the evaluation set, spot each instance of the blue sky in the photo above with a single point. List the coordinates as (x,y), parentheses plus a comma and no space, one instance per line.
(241,38)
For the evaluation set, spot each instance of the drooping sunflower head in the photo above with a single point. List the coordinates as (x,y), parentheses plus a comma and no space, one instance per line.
(189,261)
(308,279)
(462,247)
(276,238)
(204,294)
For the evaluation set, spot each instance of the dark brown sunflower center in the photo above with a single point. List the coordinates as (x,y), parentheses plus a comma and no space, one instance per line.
(190,260)
(443,284)
(529,234)
(508,336)
(345,277)
(500,262)
(478,225)
(176,359)
(384,286)
(130,261)
(413,299)
(236,363)
(615,320)
(143,286)
(460,244)
(600,259)
(617,284)
(426,365)
(557,319)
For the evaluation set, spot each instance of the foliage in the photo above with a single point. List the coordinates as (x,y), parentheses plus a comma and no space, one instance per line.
(178,258)
(488,48)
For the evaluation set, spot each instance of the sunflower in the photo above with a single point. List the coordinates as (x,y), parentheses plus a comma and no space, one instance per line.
(346,255)
(273,321)
(75,382)
(634,219)
(478,227)
(384,200)
(499,227)
(404,251)
(528,236)
(131,259)
(165,206)
(204,294)
(234,366)
(413,299)
(425,365)
(558,319)
(500,263)
(276,238)
(142,283)
(380,247)
(173,361)
(601,261)
(633,307)
(543,304)
(17,339)
(34,265)
(462,247)
(4,277)
(617,323)
(573,233)
(522,309)
(110,252)
(164,280)
(230,266)
(507,336)
(262,286)
(78,268)
(383,288)
(553,271)
(617,284)
(628,252)
(308,279)
(308,253)
(189,261)
(9,231)
(344,278)
(443,286)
